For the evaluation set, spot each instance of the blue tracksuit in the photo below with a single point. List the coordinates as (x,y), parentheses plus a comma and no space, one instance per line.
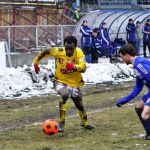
(86,42)
(142,68)
(131,36)
(96,44)
(104,36)
(85,36)
(146,36)
(105,41)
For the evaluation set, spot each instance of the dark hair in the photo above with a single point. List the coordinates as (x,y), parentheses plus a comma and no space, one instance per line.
(84,21)
(127,49)
(138,22)
(96,30)
(130,19)
(148,20)
(70,39)
(103,23)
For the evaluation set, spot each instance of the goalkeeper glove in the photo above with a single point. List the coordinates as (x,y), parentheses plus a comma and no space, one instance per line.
(36,68)
(121,101)
(70,67)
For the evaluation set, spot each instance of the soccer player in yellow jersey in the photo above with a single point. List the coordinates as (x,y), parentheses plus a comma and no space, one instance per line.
(70,63)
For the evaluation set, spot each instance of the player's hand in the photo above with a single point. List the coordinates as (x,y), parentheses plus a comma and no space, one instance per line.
(118,104)
(36,68)
(65,71)
(70,66)
(121,102)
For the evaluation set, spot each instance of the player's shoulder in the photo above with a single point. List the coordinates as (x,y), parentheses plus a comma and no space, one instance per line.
(58,49)
(142,60)
(61,49)
(78,49)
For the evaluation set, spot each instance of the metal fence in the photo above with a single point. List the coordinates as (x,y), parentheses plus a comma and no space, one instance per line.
(35,38)
(31,38)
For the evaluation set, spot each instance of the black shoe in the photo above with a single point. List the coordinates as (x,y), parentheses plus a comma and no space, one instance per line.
(61,126)
(143,137)
(88,126)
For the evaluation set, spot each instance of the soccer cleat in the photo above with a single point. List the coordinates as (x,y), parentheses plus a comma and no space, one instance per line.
(143,137)
(61,126)
(88,126)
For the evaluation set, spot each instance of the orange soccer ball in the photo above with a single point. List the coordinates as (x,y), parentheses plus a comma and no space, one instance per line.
(50,127)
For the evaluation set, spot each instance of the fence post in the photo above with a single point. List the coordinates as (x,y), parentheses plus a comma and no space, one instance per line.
(9,38)
(7,46)
(36,37)
(62,36)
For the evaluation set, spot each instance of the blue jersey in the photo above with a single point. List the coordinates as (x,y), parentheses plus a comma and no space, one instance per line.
(146,33)
(131,28)
(104,36)
(142,68)
(86,40)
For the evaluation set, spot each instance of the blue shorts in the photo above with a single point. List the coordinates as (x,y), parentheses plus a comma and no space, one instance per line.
(146,98)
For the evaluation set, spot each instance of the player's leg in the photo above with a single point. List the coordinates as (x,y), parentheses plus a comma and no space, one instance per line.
(148,44)
(144,49)
(76,96)
(64,93)
(146,113)
(146,117)
(141,110)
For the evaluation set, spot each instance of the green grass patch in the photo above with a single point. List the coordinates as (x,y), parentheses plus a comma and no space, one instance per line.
(115,127)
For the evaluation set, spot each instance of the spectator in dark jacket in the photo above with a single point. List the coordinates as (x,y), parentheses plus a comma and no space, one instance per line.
(86,41)
(146,37)
(131,35)
(105,40)
(96,45)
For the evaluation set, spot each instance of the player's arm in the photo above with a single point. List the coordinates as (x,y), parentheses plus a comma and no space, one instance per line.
(81,65)
(41,56)
(145,30)
(136,90)
(84,31)
(128,28)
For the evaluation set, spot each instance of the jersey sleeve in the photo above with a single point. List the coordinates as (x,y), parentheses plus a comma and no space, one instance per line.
(144,70)
(85,31)
(136,90)
(81,66)
(45,54)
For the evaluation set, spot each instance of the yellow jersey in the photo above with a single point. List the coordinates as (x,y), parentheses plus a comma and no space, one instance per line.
(73,79)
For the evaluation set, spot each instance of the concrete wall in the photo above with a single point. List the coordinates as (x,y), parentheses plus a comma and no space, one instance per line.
(20,59)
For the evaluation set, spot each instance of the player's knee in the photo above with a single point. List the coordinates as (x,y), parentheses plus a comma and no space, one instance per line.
(65,97)
(145,116)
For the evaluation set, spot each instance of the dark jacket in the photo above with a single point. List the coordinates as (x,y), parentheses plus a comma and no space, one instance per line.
(104,36)
(85,36)
(131,36)
(146,36)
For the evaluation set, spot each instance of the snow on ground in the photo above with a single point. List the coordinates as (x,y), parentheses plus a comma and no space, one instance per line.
(22,82)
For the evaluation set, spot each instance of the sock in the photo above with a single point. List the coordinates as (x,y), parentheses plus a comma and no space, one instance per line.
(145,123)
(83,117)
(62,109)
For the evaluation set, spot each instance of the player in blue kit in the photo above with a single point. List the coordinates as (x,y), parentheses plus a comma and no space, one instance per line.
(142,67)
